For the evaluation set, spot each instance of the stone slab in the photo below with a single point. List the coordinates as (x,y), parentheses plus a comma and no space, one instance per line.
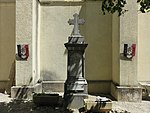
(95,106)
(145,88)
(92,105)
(25,92)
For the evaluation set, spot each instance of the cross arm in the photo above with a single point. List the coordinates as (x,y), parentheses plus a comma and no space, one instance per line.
(71,21)
(81,21)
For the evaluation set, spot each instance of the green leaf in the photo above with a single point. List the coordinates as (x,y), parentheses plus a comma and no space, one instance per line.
(148,10)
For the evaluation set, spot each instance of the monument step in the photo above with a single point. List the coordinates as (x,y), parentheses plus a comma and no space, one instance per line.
(53,86)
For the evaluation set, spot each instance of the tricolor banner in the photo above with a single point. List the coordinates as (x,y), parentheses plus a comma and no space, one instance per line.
(23,51)
(129,50)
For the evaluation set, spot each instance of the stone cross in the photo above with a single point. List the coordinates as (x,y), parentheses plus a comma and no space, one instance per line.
(76,22)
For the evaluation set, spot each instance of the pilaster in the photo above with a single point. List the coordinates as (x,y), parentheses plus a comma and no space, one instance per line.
(125,84)
(27,33)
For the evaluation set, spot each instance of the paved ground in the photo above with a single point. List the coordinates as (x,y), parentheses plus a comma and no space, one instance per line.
(9,106)
(4,98)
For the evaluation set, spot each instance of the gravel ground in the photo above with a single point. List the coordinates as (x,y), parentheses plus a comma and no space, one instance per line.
(131,107)
(7,105)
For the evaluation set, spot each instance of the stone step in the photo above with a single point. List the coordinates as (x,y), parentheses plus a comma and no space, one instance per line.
(53,86)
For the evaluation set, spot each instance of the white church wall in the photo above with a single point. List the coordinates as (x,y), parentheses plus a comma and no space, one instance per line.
(143,47)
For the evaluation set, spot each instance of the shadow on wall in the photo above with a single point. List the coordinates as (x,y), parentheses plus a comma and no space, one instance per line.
(22,92)
(11,79)
(97,32)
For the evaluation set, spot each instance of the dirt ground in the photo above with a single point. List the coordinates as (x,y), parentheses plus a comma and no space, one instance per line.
(7,105)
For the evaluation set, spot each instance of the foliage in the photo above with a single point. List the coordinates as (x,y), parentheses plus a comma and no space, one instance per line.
(145,5)
(113,6)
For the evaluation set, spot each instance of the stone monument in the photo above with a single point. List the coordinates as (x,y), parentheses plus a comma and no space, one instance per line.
(75,85)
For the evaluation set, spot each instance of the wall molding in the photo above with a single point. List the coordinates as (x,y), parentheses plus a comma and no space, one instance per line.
(60,3)
(47,1)
(7,1)
(64,2)
(98,81)
(4,80)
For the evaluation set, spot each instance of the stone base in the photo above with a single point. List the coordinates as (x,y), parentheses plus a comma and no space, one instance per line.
(53,86)
(126,93)
(80,86)
(75,101)
(25,92)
